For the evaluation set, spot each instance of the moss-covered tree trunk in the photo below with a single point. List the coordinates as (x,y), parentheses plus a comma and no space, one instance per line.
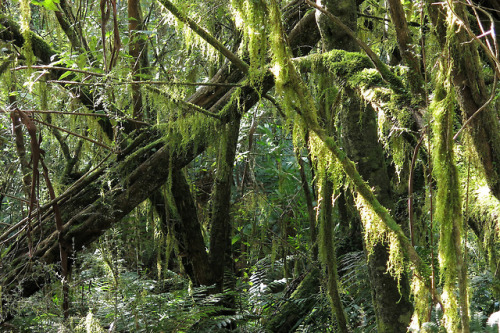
(220,232)
(471,90)
(359,131)
(188,232)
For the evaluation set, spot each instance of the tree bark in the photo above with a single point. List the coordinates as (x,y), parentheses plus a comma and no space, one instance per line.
(407,49)
(138,51)
(220,232)
(187,229)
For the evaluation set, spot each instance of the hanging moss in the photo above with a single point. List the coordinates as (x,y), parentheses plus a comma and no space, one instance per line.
(375,231)
(192,41)
(485,207)
(448,203)
(421,302)
(25,30)
(251,17)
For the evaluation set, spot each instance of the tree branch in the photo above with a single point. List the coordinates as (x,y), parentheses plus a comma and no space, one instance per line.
(240,64)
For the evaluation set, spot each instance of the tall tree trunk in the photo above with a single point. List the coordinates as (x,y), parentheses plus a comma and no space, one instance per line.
(138,52)
(393,309)
(220,232)
(188,233)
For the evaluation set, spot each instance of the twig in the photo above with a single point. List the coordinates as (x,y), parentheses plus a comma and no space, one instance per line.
(74,134)
(60,69)
(188,105)
(413,24)
(275,103)
(170,83)
(14,197)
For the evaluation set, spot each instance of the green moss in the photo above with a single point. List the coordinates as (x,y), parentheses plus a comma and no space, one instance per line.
(251,16)
(25,30)
(448,199)
(356,71)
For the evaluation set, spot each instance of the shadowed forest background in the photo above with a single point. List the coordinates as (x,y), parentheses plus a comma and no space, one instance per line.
(249,166)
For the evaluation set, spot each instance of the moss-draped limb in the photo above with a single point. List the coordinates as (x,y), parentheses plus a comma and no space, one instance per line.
(297,98)
(240,64)
(11,31)
(356,71)
(382,68)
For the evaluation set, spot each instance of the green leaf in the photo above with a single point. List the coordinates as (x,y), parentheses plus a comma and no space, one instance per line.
(65,74)
(235,239)
(48,4)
